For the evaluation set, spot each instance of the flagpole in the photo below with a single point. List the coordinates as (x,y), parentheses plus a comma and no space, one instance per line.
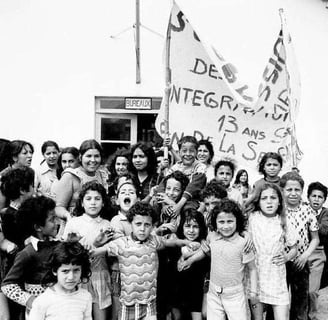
(138,77)
(167,86)
(291,101)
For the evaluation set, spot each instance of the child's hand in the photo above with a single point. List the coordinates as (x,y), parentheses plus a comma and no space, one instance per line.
(301,260)
(153,191)
(194,245)
(279,259)
(73,237)
(11,247)
(163,230)
(97,251)
(161,197)
(183,264)
(249,246)
(174,210)
(103,237)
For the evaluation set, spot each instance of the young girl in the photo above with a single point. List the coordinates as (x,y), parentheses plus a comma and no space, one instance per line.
(226,295)
(270,166)
(174,186)
(68,158)
(270,234)
(46,174)
(86,226)
(64,299)
(144,167)
(188,289)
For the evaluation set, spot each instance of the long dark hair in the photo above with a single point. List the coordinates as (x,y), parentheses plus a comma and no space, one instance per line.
(149,152)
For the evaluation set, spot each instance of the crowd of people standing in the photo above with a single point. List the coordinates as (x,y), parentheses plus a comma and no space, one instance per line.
(144,237)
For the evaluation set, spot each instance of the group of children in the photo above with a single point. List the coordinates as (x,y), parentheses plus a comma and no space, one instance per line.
(166,244)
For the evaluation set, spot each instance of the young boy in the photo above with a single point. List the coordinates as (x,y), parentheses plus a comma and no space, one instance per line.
(212,195)
(317,195)
(23,281)
(224,171)
(126,197)
(138,263)
(174,186)
(193,169)
(301,216)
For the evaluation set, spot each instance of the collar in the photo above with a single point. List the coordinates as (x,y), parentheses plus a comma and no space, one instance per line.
(34,241)
(44,168)
(122,216)
(134,239)
(230,239)
(88,218)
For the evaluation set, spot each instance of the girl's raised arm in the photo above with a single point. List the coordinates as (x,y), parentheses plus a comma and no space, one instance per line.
(64,195)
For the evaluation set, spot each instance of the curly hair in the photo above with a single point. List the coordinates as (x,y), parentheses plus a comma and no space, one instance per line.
(229,206)
(215,189)
(16,180)
(67,253)
(179,176)
(93,186)
(266,157)
(191,214)
(120,153)
(142,209)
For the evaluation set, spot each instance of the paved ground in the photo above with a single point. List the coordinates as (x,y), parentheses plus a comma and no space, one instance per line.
(323,304)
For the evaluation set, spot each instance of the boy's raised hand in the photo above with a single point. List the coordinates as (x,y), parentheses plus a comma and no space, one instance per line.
(103,237)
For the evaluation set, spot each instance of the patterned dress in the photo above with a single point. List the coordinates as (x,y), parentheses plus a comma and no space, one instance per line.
(269,240)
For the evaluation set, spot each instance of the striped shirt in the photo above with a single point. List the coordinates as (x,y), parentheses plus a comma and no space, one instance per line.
(227,258)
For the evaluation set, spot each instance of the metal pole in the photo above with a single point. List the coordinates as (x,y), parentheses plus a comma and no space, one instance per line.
(137,26)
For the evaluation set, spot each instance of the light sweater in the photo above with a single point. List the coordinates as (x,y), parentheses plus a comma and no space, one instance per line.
(55,305)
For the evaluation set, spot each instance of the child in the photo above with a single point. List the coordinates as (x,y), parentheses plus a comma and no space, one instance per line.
(270,233)
(226,248)
(38,220)
(302,218)
(212,195)
(188,288)
(193,169)
(138,262)
(205,154)
(86,226)
(64,299)
(174,186)
(224,171)
(270,166)
(317,195)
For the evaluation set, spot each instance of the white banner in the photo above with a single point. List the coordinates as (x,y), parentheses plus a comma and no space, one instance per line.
(207,101)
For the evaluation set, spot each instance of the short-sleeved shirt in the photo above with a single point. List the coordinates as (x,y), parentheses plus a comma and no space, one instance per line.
(304,221)
(138,263)
(228,258)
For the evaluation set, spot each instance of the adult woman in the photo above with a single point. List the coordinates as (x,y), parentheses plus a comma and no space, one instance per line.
(46,174)
(72,179)
(205,154)
(241,183)
(144,167)
(20,155)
